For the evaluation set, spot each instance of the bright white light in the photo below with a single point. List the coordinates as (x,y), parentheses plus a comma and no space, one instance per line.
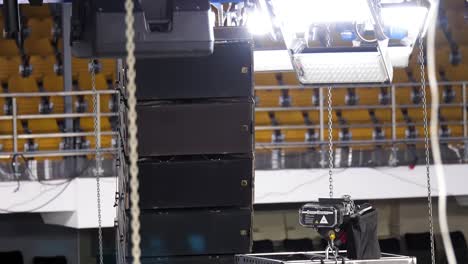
(258,23)
(305,12)
(341,67)
(298,15)
(410,18)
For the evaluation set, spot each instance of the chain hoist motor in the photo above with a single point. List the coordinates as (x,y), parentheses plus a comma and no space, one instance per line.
(343,223)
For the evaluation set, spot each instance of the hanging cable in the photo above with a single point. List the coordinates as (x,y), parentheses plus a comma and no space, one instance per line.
(442,203)
(132,129)
(426,148)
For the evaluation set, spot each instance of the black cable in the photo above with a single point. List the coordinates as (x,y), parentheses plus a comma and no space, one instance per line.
(41,206)
(33,198)
(77,175)
(41,181)
(361,37)
(15,173)
(67,182)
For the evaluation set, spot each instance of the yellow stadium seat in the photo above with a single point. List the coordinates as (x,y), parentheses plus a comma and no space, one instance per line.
(294,135)
(301,97)
(87,124)
(42,11)
(400,76)
(268,98)
(369,96)
(48,144)
(19,84)
(403,95)
(42,126)
(80,67)
(357,116)
(40,47)
(105,100)
(262,119)
(290,117)
(54,83)
(42,65)
(84,82)
(40,28)
(8,67)
(338,96)
(8,145)
(457,73)
(263,136)
(6,127)
(289,78)
(361,133)
(452,113)
(25,105)
(8,48)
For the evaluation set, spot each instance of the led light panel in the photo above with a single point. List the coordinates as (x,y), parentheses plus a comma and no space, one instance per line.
(341,67)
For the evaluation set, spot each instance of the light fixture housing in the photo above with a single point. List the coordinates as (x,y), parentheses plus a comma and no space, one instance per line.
(306,25)
(341,66)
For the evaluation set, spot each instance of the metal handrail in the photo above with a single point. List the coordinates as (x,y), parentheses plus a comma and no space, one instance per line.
(55,135)
(341,86)
(55,116)
(304,144)
(392,107)
(42,94)
(56,153)
(368,125)
(15,136)
(347,107)
(394,140)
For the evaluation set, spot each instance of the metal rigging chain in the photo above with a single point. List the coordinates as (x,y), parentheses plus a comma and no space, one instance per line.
(330,128)
(331,244)
(132,129)
(426,146)
(98,169)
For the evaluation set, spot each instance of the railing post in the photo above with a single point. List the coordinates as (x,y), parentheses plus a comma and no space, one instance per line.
(394,133)
(322,129)
(465,121)
(67,63)
(393,161)
(15,138)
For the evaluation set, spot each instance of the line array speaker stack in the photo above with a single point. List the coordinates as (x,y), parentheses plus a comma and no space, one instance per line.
(195,133)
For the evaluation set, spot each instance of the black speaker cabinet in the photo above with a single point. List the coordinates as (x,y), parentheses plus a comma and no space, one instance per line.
(195,128)
(195,232)
(162,28)
(225,73)
(201,182)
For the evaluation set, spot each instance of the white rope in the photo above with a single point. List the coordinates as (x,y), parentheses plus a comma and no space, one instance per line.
(132,129)
(431,67)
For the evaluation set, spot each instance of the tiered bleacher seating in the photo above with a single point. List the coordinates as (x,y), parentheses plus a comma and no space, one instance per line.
(450,111)
(42,57)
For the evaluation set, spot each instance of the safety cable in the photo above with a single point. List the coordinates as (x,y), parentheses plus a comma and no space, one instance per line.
(330,127)
(426,147)
(97,145)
